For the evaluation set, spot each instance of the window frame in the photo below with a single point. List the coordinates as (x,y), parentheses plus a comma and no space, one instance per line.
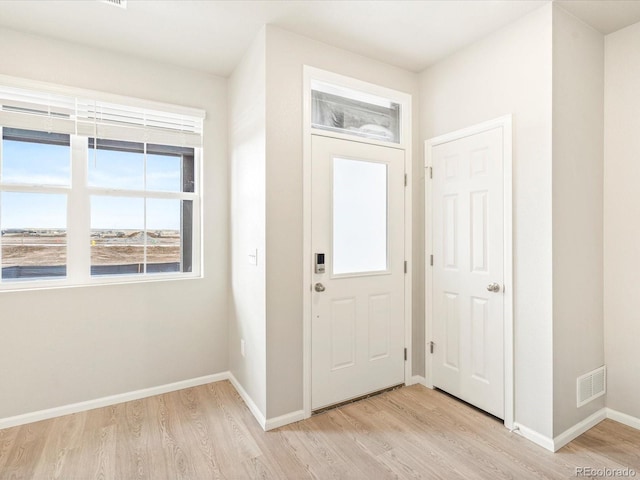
(350,85)
(155,194)
(351,100)
(78,243)
(194,197)
(33,188)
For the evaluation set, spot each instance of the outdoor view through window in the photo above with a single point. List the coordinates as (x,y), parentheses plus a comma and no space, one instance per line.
(133,213)
(34,224)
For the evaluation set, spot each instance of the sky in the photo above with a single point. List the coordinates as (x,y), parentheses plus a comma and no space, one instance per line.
(50,165)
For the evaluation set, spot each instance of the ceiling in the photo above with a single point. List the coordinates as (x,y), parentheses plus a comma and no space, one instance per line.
(212,35)
(606,16)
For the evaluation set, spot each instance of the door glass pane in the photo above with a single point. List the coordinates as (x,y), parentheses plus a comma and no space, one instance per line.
(359,216)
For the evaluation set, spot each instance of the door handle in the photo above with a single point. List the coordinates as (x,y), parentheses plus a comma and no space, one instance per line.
(318,287)
(493,287)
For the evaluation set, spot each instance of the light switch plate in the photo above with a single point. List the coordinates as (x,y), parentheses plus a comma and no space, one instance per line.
(253,257)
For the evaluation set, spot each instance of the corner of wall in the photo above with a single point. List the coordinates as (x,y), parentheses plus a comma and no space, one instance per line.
(104,340)
(577,178)
(247,157)
(621,232)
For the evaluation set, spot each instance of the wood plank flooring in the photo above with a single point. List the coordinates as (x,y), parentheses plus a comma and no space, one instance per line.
(207,432)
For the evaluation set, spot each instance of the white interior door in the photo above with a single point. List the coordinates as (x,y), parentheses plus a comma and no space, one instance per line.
(357,333)
(468,271)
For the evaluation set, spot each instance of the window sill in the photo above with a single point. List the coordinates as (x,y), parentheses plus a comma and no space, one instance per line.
(56,284)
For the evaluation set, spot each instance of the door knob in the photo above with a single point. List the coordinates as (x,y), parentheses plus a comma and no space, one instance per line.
(493,287)
(319,287)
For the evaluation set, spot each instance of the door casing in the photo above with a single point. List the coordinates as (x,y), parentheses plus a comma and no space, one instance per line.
(505,122)
(404,99)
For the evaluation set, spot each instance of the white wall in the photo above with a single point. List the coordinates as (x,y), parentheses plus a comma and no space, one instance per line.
(286,54)
(621,214)
(578,130)
(247,156)
(510,72)
(74,344)
(68,345)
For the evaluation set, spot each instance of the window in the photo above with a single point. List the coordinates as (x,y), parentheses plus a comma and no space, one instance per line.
(343,110)
(93,191)
(35,169)
(146,226)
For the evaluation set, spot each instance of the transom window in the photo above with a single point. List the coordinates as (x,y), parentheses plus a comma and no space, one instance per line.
(351,112)
(104,192)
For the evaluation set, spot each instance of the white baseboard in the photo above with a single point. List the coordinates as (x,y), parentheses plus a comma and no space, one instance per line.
(628,420)
(149,392)
(555,444)
(285,419)
(253,408)
(266,424)
(417,379)
(578,429)
(532,435)
(110,400)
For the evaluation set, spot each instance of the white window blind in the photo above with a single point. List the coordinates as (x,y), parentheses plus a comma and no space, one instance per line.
(120,122)
(55,112)
(31,110)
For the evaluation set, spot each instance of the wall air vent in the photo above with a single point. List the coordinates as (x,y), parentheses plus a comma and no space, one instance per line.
(116,3)
(591,385)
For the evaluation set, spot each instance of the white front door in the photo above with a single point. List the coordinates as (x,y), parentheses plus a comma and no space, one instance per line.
(358,269)
(468,271)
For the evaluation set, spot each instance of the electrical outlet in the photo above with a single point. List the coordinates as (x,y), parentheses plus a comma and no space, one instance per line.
(242,347)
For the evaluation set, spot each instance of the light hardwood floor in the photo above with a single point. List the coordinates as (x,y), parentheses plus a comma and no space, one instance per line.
(207,432)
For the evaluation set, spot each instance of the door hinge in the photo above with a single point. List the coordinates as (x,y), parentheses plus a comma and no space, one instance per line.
(405,179)
(431,347)
(431,260)
(405,266)
(405,354)
(430,172)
